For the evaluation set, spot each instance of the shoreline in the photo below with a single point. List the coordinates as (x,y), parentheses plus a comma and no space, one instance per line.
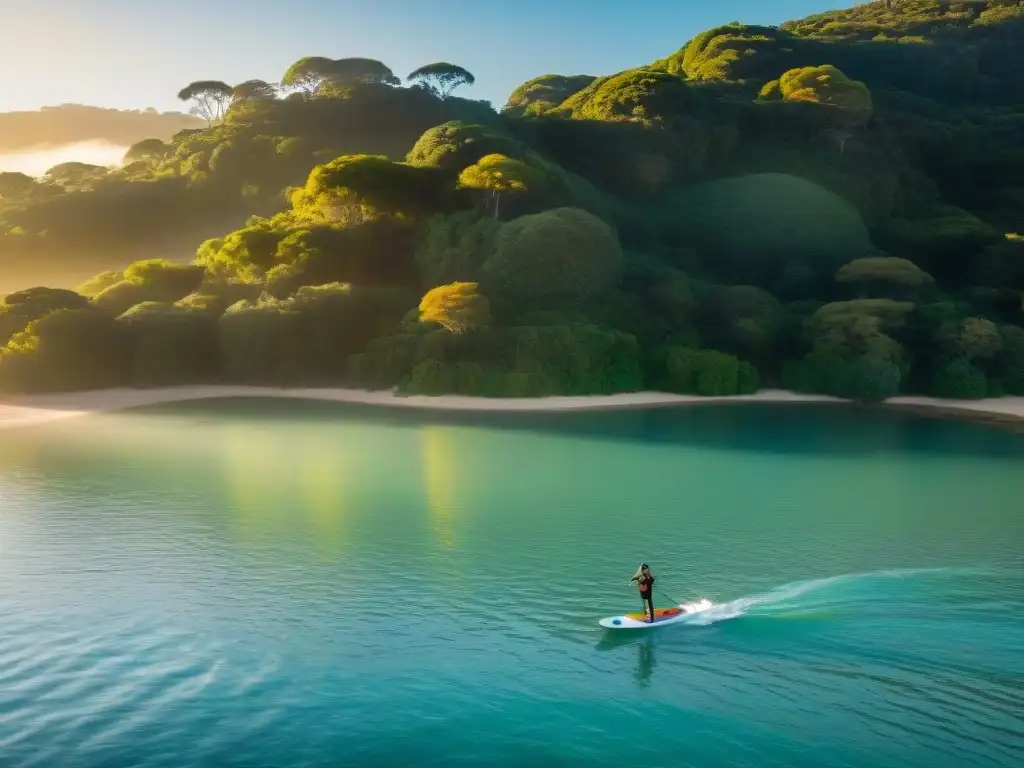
(31,410)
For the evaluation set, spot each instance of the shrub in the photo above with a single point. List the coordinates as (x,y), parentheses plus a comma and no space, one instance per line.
(430,377)
(749,380)
(563,252)
(960,380)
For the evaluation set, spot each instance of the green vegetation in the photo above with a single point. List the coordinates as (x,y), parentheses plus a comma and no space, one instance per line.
(544,93)
(828,206)
(843,105)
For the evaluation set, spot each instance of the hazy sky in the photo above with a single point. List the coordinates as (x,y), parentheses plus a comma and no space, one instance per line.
(139,53)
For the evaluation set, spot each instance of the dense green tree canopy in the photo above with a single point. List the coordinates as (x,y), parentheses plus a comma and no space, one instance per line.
(744,320)
(973,338)
(358,70)
(74,174)
(875,272)
(23,307)
(354,188)
(844,105)
(169,344)
(14,184)
(253,90)
(67,349)
(731,52)
(562,252)
(824,85)
(308,73)
(456,145)
(830,206)
(759,223)
(148,150)
(637,95)
(454,248)
(544,93)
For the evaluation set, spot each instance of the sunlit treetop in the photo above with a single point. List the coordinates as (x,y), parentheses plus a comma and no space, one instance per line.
(544,93)
(823,85)
(730,52)
(637,95)
(496,175)
(252,90)
(310,73)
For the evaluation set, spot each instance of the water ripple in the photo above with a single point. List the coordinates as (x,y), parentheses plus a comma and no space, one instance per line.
(179,594)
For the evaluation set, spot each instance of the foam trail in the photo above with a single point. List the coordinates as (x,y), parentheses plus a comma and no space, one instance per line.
(781,599)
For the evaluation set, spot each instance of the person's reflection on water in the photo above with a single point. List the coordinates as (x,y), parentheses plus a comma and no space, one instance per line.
(645,661)
(644,643)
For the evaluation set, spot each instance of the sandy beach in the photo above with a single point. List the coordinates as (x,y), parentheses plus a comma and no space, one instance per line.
(39,409)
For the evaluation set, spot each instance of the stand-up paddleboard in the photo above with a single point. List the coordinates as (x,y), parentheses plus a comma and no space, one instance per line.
(671,615)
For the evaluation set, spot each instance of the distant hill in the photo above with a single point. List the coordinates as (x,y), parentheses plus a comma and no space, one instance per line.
(75,123)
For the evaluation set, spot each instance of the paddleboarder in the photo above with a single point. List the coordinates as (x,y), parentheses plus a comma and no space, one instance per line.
(645,581)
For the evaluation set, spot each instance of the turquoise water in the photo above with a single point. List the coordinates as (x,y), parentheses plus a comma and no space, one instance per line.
(278,584)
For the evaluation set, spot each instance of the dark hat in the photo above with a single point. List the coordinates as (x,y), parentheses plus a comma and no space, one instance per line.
(644,567)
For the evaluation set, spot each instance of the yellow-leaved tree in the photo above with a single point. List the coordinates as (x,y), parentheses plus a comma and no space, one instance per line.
(457,307)
(496,175)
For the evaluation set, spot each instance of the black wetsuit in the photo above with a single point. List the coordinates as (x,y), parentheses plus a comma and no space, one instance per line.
(646,594)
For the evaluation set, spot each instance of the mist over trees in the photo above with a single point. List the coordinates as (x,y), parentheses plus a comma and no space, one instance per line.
(833,205)
(73,123)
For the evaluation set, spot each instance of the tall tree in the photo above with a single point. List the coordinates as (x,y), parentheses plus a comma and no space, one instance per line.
(442,78)
(308,73)
(253,90)
(210,98)
(497,175)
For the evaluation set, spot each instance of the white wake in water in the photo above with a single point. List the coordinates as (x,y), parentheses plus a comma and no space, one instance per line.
(801,597)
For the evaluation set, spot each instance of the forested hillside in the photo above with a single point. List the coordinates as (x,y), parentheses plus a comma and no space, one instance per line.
(831,205)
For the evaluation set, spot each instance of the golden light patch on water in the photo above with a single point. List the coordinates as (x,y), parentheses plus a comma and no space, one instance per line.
(323,483)
(252,479)
(262,485)
(440,467)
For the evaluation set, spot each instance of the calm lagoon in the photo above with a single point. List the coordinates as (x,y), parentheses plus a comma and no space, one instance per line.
(265,583)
